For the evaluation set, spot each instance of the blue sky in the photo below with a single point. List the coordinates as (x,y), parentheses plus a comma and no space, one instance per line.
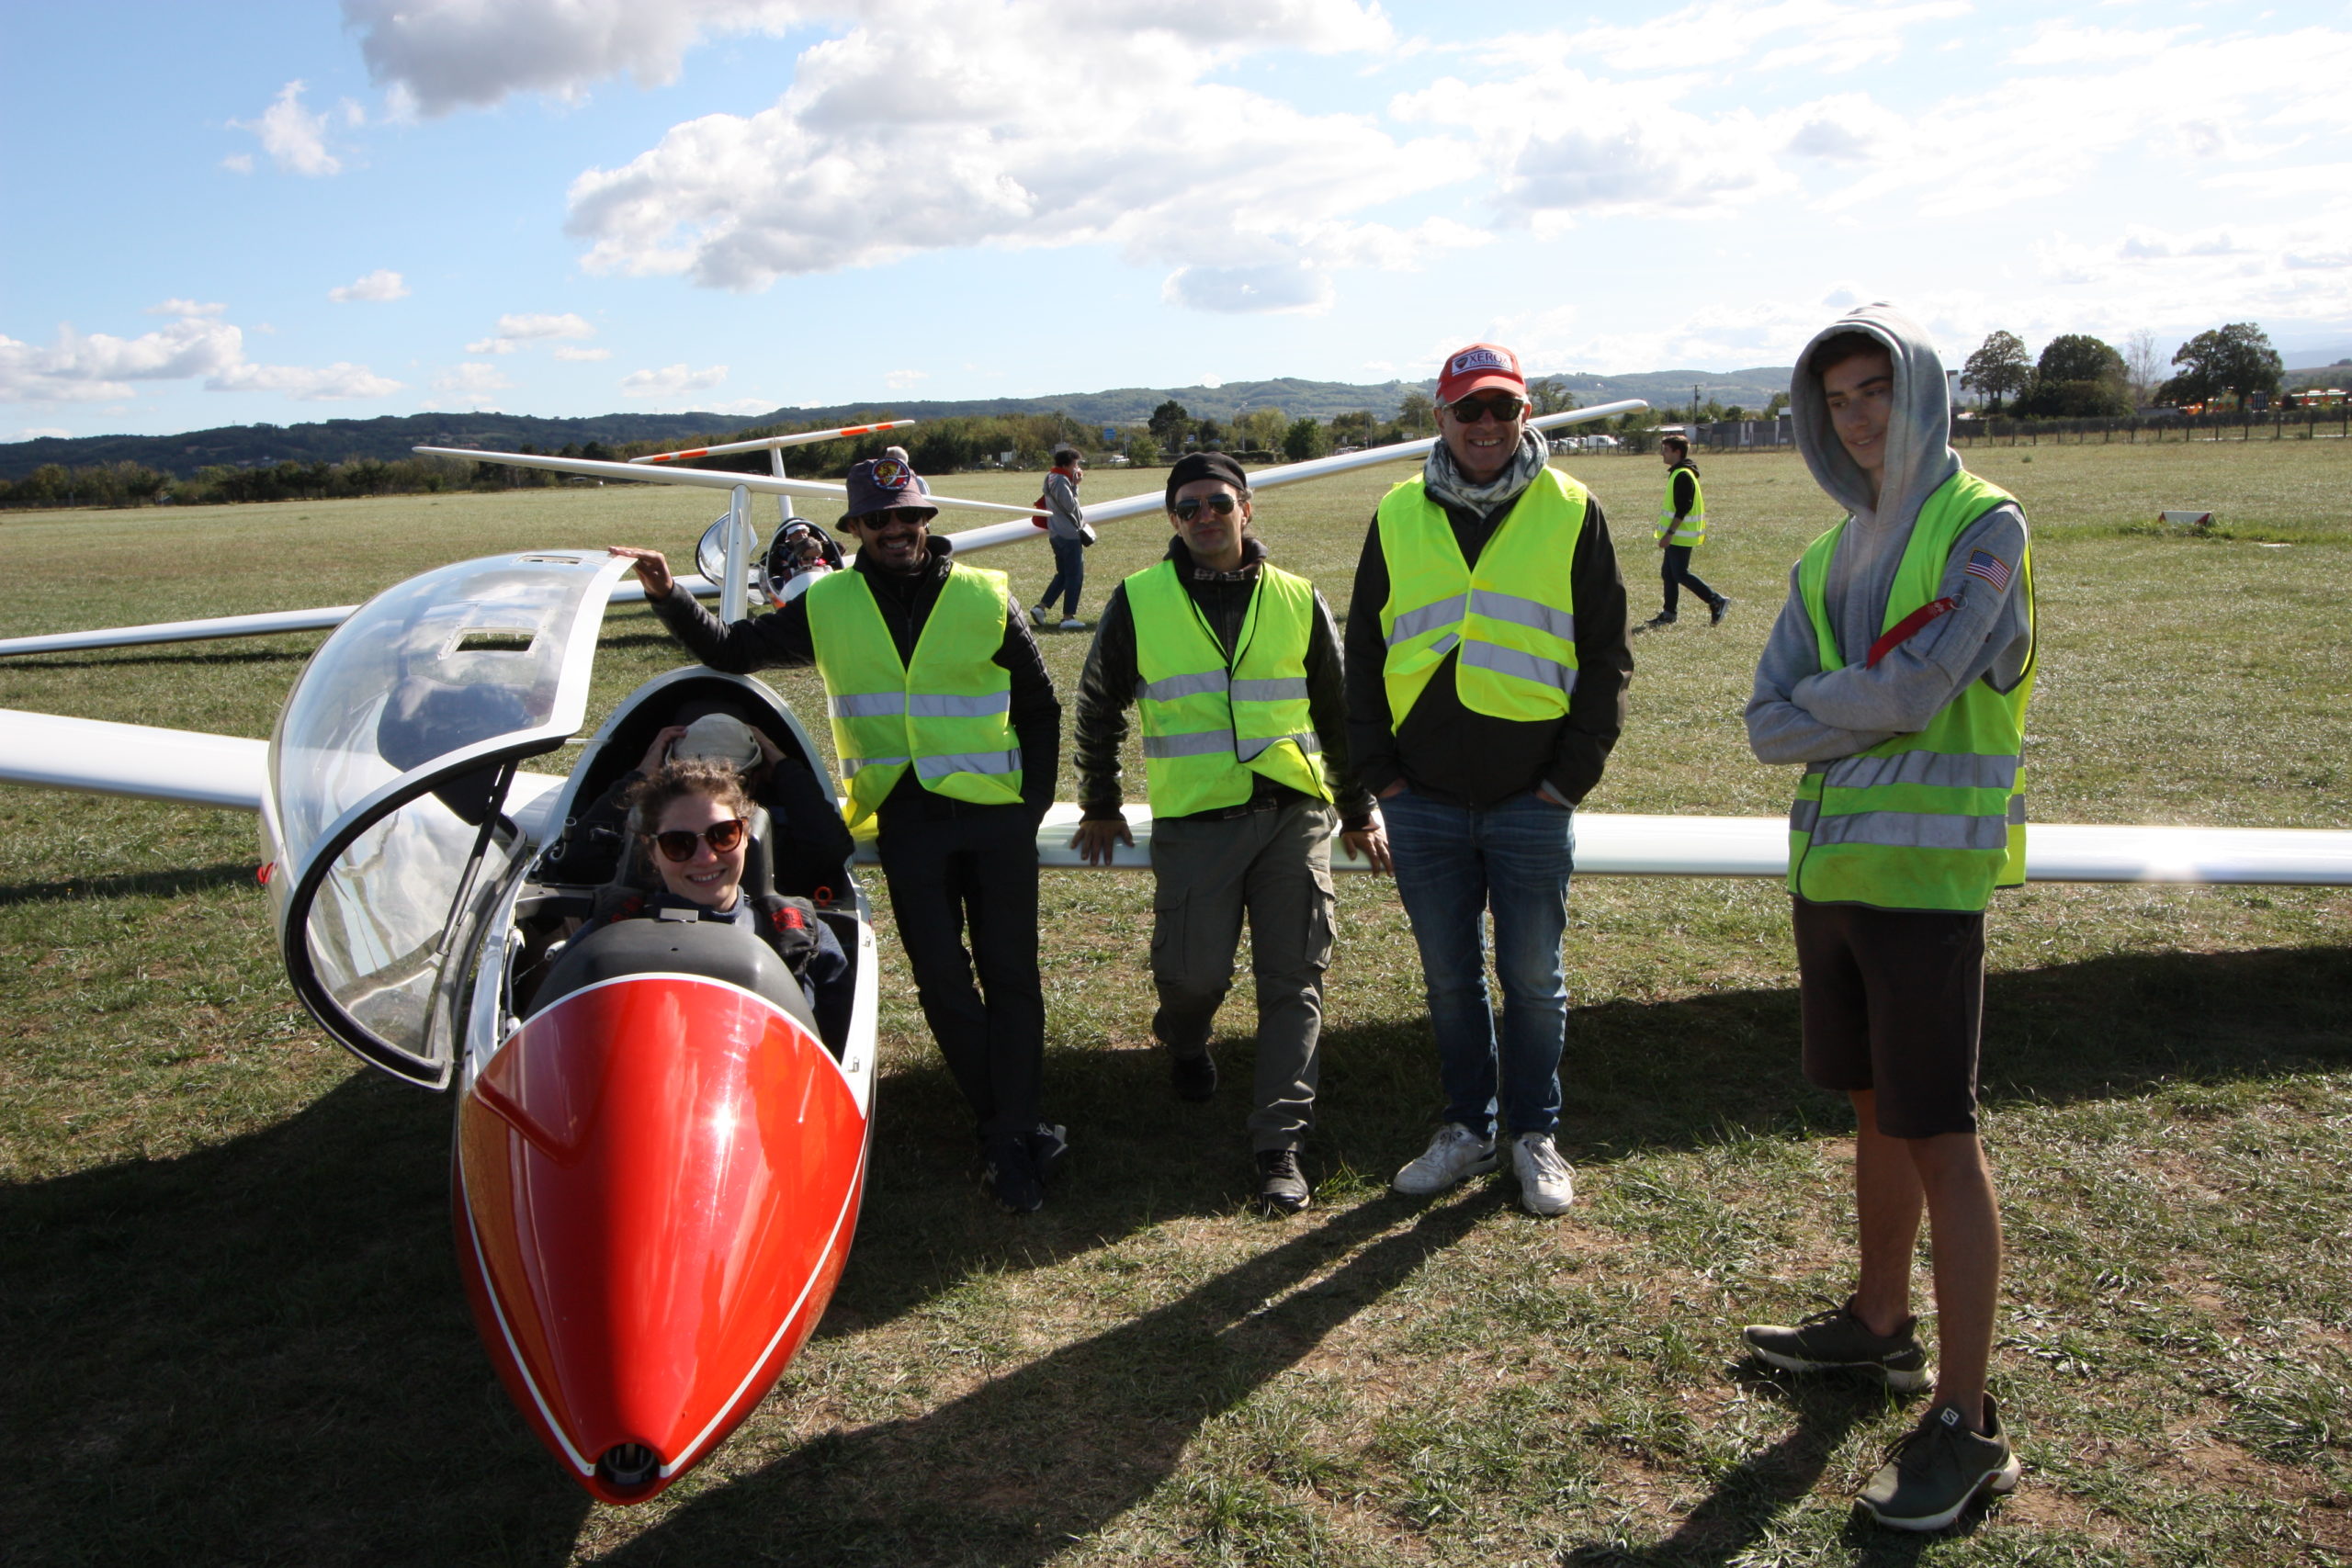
(288,212)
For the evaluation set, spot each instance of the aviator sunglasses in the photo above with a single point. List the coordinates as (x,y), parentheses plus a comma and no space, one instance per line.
(1502,405)
(1190,507)
(678,843)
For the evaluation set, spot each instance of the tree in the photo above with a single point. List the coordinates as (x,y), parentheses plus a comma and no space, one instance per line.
(1415,412)
(1550,395)
(2141,361)
(1210,435)
(1306,438)
(2237,358)
(1998,367)
(1142,450)
(1261,430)
(2077,376)
(1773,410)
(1169,425)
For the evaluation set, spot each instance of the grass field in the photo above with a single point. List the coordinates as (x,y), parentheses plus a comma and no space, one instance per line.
(234,1331)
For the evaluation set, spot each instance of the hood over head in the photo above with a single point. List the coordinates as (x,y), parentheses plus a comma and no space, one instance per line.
(1919,439)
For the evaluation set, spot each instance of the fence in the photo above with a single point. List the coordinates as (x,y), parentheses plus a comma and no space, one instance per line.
(2301,425)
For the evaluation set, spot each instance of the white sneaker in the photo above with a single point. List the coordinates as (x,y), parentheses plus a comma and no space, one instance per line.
(1546,1186)
(1073,624)
(1454,1153)
(1038,617)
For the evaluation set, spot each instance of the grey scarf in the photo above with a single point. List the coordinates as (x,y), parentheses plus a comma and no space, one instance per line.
(1443,480)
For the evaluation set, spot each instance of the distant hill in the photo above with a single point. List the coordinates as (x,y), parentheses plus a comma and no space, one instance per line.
(389,436)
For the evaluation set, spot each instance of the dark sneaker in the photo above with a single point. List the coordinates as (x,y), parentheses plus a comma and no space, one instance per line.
(1009,1177)
(1192,1078)
(1657,622)
(1048,1146)
(1931,1476)
(1837,1341)
(1718,610)
(1281,1189)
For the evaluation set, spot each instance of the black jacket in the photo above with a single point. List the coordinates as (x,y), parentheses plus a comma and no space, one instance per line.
(1107,688)
(1682,484)
(1448,754)
(905,601)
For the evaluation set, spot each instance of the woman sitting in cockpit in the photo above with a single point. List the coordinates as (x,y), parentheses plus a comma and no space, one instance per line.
(693,820)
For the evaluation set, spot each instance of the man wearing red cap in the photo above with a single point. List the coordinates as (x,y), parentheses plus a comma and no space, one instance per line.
(1486,666)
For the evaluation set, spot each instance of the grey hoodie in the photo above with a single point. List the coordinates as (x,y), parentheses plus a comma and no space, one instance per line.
(1799,712)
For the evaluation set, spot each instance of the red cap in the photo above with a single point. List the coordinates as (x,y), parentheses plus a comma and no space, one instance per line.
(1477,367)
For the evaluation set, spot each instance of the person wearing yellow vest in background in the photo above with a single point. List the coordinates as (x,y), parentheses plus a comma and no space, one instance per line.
(948,733)
(1681,528)
(1235,666)
(1897,674)
(1486,673)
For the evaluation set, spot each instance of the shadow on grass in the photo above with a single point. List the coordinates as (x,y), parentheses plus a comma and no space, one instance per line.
(177,654)
(133,885)
(260,1352)
(1012,1473)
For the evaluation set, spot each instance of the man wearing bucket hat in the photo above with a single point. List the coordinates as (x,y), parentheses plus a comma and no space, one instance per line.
(949,735)
(1486,670)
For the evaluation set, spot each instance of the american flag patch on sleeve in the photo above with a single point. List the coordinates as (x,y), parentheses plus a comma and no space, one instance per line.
(1992,569)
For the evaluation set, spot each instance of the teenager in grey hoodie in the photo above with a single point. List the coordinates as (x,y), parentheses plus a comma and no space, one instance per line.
(1892,982)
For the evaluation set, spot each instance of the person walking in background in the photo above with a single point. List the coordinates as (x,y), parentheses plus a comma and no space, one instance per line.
(921,483)
(1681,528)
(1236,665)
(949,734)
(1897,673)
(1487,664)
(1067,531)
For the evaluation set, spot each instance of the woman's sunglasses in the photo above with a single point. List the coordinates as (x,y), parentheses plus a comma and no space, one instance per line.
(1502,405)
(678,843)
(1190,507)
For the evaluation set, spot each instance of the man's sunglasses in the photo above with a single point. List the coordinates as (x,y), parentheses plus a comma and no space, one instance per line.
(678,843)
(1190,507)
(1502,405)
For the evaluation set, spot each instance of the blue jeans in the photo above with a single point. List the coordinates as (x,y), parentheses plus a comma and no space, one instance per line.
(1453,866)
(1069,573)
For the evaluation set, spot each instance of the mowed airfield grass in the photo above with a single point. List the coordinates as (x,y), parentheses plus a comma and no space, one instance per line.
(234,1331)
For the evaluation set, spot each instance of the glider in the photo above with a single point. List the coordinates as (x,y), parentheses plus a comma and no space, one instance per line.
(660,1149)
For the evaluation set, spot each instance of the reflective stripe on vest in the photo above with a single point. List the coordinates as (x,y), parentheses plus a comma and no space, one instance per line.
(1210,729)
(949,716)
(1934,820)
(1692,529)
(1512,614)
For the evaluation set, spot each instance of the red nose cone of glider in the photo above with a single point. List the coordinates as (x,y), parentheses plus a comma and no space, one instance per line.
(657,1182)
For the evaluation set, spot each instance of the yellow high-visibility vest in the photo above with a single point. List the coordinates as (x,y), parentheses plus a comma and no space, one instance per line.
(1692,529)
(1934,820)
(1513,614)
(948,714)
(1209,728)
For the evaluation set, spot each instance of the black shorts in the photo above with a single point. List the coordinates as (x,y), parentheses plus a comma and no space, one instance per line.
(1894,1000)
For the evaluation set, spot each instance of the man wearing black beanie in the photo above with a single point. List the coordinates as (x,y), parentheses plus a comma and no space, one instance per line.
(1235,665)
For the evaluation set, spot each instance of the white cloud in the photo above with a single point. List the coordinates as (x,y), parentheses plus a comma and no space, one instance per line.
(474,383)
(37,432)
(900,380)
(98,367)
(1821,34)
(449,54)
(919,128)
(567,352)
(185,307)
(294,138)
(238,162)
(307,383)
(515,331)
(671,381)
(381,285)
(2068,43)
(1278,286)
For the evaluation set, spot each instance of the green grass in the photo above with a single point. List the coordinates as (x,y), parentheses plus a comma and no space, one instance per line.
(233,1330)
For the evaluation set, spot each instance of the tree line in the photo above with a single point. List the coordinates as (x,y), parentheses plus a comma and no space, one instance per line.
(2081,377)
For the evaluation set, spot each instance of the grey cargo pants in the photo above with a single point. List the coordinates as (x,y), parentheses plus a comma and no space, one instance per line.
(1275,866)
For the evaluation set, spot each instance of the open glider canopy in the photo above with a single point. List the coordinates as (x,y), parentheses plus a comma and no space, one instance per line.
(388,780)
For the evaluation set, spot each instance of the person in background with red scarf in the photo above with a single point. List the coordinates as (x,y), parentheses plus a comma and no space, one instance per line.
(1067,531)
